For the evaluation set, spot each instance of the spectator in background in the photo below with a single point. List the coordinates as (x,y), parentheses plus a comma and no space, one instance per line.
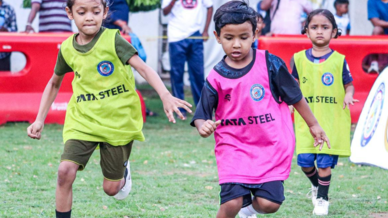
(52,16)
(119,16)
(259,28)
(378,15)
(186,43)
(341,16)
(287,19)
(7,24)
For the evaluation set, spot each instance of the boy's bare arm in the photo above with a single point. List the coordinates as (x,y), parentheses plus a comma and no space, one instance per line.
(170,103)
(48,97)
(315,129)
(169,7)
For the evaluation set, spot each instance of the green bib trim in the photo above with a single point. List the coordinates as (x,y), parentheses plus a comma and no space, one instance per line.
(105,106)
(323,88)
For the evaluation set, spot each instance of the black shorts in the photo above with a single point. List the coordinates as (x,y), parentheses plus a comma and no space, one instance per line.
(272,191)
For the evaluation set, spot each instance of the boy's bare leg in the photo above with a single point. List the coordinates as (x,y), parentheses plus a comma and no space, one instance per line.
(230,208)
(67,172)
(111,188)
(265,206)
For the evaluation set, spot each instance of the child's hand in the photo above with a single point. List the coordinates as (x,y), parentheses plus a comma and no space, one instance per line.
(171,104)
(349,100)
(208,127)
(35,129)
(319,136)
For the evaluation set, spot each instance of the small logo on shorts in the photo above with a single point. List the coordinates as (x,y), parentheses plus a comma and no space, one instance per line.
(228,97)
(327,79)
(125,163)
(105,68)
(257,92)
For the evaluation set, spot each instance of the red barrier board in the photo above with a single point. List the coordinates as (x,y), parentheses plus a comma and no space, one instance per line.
(355,48)
(20,92)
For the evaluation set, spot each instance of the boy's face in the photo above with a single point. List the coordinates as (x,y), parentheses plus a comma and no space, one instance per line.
(342,8)
(87,15)
(260,24)
(236,40)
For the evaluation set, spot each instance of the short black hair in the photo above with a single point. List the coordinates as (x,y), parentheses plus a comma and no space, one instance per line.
(340,2)
(234,12)
(325,13)
(258,15)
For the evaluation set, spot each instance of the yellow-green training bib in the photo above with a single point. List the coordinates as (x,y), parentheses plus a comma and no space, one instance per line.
(323,88)
(105,106)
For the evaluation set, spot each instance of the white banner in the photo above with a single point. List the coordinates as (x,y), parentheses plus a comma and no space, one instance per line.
(370,140)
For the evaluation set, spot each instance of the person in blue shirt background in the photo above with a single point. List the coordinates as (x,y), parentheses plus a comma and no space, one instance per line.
(119,16)
(378,15)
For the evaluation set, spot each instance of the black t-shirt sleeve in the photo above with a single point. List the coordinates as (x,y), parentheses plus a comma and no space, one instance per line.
(283,84)
(207,104)
(295,72)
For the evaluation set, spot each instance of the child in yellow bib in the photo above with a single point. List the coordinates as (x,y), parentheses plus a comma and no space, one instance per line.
(105,109)
(326,83)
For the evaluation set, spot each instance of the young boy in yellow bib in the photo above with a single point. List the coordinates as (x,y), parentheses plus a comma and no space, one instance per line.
(105,109)
(326,83)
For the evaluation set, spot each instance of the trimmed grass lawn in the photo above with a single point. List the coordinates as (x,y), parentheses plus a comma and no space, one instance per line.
(174,175)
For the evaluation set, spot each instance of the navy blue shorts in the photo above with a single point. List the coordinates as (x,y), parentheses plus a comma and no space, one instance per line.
(323,160)
(272,191)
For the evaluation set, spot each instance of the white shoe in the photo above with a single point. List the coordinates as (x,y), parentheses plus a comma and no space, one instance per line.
(243,215)
(123,193)
(313,194)
(374,67)
(321,207)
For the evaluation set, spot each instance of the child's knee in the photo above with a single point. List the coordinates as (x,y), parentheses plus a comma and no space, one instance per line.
(111,188)
(232,206)
(66,173)
(267,206)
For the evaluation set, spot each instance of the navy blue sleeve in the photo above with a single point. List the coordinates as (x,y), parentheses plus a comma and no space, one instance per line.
(283,84)
(207,104)
(346,75)
(295,72)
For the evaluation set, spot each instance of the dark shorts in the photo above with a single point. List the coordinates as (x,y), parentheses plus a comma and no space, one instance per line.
(272,191)
(113,158)
(323,160)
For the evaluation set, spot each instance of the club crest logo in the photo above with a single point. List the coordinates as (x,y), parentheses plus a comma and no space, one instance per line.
(189,4)
(257,92)
(327,79)
(373,116)
(105,68)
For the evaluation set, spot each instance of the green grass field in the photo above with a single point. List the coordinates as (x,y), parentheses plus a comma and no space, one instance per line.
(174,175)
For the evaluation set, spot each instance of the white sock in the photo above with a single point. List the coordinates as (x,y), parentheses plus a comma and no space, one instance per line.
(249,210)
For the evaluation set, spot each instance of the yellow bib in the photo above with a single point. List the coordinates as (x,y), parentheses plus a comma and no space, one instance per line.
(322,86)
(105,106)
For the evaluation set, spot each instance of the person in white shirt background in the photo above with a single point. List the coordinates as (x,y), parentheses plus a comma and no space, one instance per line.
(186,42)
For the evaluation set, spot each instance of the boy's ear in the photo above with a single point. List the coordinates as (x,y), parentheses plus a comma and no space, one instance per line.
(69,13)
(106,12)
(334,33)
(217,37)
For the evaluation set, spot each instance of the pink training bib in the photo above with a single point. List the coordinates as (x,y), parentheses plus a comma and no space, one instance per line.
(255,140)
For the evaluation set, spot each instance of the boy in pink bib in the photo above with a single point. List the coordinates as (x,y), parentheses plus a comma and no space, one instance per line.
(250,90)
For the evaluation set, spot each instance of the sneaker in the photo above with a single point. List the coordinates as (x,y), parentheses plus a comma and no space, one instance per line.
(321,207)
(313,194)
(243,215)
(123,193)
(374,67)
